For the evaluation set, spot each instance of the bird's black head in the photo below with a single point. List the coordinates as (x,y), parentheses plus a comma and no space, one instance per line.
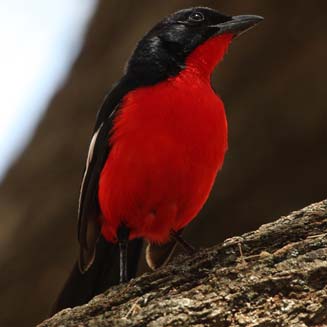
(164,50)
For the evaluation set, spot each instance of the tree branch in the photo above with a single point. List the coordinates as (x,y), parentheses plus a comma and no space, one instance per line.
(274,276)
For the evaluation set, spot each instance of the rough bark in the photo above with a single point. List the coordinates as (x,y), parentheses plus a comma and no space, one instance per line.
(274,276)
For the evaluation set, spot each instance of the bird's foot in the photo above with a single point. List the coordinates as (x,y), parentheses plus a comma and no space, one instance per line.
(187,247)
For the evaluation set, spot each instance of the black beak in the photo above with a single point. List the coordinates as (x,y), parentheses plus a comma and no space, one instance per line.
(239,24)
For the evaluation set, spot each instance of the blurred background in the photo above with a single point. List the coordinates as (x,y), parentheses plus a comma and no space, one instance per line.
(58,60)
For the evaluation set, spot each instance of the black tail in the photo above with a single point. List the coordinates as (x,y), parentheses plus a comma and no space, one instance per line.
(104,273)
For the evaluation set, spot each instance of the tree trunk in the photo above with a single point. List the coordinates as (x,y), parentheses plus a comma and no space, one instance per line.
(274,276)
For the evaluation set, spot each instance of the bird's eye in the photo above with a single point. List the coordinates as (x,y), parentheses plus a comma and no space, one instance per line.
(196,17)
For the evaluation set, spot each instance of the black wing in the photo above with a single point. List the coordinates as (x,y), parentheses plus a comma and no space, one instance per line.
(89,210)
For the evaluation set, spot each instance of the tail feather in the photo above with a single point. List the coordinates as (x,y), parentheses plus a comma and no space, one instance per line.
(158,255)
(104,273)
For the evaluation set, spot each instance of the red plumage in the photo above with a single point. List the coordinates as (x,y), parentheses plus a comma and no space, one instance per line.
(167,145)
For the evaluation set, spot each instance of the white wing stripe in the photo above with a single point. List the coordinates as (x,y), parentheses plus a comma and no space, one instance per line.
(88,161)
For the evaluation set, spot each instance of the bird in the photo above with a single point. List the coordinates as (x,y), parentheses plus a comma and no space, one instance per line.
(159,140)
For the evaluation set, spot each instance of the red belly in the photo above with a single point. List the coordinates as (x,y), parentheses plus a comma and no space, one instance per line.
(167,146)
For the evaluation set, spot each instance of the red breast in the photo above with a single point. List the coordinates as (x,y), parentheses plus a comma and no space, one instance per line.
(168,143)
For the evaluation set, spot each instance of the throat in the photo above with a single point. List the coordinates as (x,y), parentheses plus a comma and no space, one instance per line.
(203,60)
